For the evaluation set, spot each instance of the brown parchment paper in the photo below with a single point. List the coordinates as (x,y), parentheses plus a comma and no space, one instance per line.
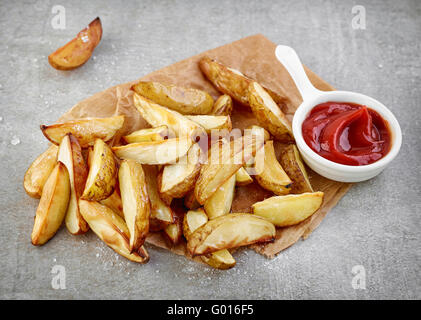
(255,57)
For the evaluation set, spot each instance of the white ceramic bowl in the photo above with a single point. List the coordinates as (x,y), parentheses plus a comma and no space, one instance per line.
(311,98)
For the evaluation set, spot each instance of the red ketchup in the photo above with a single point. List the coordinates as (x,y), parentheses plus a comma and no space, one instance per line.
(347,133)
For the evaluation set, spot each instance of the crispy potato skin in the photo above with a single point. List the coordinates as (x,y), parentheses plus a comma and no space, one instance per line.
(294,167)
(230,231)
(180,99)
(136,206)
(223,106)
(52,206)
(101,182)
(288,210)
(78,51)
(39,171)
(268,114)
(269,173)
(111,229)
(86,131)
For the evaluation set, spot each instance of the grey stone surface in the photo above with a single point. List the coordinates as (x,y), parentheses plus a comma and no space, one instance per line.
(375,225)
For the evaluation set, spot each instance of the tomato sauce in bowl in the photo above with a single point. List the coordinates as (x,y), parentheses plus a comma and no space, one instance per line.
(347,133)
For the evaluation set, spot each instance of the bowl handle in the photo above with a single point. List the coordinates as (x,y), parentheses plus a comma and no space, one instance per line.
(289,58)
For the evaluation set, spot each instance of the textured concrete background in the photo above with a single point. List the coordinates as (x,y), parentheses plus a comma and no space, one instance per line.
(376,225)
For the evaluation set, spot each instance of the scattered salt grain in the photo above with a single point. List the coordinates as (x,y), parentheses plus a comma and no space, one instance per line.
(15,141)
(97,255)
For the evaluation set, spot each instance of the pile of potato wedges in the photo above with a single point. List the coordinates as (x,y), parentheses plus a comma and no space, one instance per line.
(177,177)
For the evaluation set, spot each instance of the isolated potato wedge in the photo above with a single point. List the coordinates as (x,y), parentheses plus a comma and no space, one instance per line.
(180,99)
(224,160)
(209,122)
(70,154)
(230,81)
(269,173)
(220,202)
(294,167)
(161,214)
(114,202)
(193,220)
(179,178)
(288,210)
(221,259)
(223,106)
(102,173)
(39,171)
(230,231)
(146,135)
(242,178)
(268,114)
(155,152)
(52,206)
(111,229)
(136,207)
(76,52)
(190,201)
(157,115)
(85,130)
(174,231)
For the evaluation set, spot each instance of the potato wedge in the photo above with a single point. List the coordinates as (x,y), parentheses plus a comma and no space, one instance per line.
(257,131)
(70,154)
(269,173)
(294,167)
(223,106)
(242,178)
(111,229)
(180,99)
(193,220)
(230,81)
(39,171)
(155,152)
(224,160)
(157,115)
(136,207)
(102,173)
(230,231)
(221,259)
(209,122)
(174,231)
(146,135)
(85,130)
(220,202)
(52,206)
(179,178)
(288,210)
(76,52)
(114,202)
(268,114)
(161,214)
(190,201)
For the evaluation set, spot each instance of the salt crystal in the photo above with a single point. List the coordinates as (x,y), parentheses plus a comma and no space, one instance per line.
(380,66)
(97,255)
(15,141)
(1,119)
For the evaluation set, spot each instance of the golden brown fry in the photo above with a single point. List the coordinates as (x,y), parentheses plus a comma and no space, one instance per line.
(70,154)
(76,52)
(136,207)
(161,214)
(269,114)
(220,202)
(180,99)
(193,220)
(257,131)
(39,171)
(52,206)
(111,229)
(269,173)
(174,231)
(242,178)
(146,135)
(288,210)
(179,178)
(155,152)
(230,231)
(223,106)
(294,167)
(86,131)
(209,122)
(102,174)
(190,201)
(221,259)
(114,202)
